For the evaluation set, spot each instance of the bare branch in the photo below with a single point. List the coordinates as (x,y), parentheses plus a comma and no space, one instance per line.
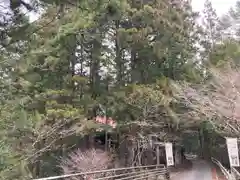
(218,100)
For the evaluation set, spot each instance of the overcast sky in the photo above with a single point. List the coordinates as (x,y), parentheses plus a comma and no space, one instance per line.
(221,6)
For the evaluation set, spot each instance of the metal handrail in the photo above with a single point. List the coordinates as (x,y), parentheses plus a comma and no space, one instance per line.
(139,175)
(134,174)
(236,173)
(226,173)
(160,169)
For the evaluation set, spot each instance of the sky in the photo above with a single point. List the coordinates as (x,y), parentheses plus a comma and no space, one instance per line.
(221,6)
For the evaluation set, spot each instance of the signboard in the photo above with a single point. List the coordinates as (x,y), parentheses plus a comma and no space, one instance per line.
(233,151)
(169,154)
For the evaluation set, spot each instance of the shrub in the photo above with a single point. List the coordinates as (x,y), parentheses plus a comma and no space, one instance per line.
(85,161)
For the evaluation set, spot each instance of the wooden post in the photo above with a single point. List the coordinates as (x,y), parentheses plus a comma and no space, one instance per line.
(158,158)
(106,133)
(158,154)
(106,141)
(109,144)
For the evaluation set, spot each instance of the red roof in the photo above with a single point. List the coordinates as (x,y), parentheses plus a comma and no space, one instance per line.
(105,120)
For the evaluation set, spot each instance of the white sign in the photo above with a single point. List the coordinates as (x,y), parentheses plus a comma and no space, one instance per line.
(169,154)
(233,151)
